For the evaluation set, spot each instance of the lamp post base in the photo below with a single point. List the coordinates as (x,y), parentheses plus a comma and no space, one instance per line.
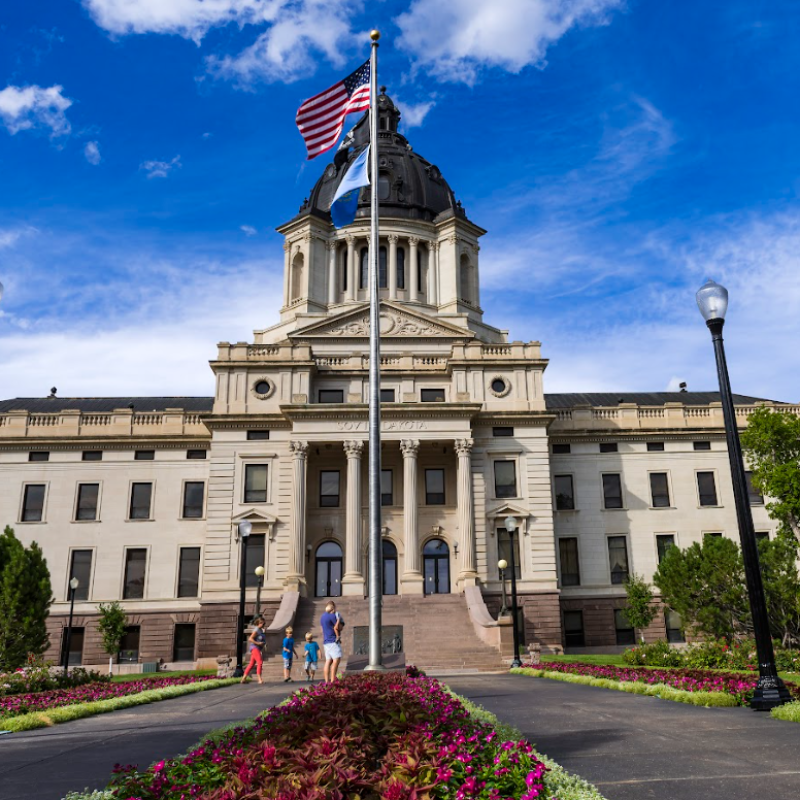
(374,668)
(770,693)
(238,672)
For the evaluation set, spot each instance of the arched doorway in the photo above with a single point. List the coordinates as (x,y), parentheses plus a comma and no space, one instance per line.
(328,581)
(436,561)
(389,567)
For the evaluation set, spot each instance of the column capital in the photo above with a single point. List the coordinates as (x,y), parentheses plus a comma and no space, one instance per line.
(413,240)
(393,238)
(350,239)
(464,446)
(298,449)
(409,447)
(332,245)
(353,448)
(434,246)
(287,246)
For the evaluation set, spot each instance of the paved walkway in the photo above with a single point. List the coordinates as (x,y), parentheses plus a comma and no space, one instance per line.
(637,748)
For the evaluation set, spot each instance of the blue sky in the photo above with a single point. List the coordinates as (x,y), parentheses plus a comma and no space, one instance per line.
(619,153)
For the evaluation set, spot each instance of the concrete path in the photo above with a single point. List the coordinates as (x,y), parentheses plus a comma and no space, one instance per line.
(640,748)
(47,763)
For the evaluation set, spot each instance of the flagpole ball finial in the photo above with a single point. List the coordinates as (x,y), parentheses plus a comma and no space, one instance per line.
(374,35)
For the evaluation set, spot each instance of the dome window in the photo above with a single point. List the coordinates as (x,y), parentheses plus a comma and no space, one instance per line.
(383,187)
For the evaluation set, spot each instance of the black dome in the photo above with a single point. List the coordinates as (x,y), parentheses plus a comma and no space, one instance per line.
(410,186)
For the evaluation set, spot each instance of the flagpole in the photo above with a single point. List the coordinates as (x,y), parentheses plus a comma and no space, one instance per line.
(375,544)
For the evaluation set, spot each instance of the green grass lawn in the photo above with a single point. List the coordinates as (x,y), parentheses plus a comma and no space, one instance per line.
(137,676)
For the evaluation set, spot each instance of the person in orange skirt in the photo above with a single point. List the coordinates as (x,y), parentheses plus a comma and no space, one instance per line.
(256,640)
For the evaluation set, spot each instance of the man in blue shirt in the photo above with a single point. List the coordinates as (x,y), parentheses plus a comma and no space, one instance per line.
(332,624)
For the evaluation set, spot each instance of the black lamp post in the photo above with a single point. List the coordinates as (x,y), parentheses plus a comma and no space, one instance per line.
(511,527)
(259,570)
(712,299)
(245,528)
(73,587)
(502,565)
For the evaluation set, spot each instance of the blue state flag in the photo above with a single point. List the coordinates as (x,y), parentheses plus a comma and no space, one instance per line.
(345,201)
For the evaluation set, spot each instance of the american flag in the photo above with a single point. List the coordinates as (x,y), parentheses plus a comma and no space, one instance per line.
(320,119)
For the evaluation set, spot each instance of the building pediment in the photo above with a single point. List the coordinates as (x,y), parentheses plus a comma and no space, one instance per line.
(396,321)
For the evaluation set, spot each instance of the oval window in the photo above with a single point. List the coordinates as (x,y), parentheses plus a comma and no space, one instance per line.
(498,385)
(262,387)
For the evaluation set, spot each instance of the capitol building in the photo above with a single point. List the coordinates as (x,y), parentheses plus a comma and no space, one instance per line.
(140,497)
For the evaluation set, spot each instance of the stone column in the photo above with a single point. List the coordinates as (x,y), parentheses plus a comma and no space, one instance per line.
(433,273)
(353,578)
(392,276)
(351,268)
(467,573)
(287,270)
(296,580)
(333,289)
(412,581)
(414,284)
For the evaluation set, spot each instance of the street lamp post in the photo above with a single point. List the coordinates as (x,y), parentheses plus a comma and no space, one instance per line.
(502,565)
(245,528)
(259,570)
(712,299)
(511,527)
(73,587)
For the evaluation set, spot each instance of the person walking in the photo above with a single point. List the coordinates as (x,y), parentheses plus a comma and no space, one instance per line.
(311,656)
(332,624)
(256,641)
(288,655)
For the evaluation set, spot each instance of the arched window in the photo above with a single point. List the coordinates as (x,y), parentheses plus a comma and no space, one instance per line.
(436,565)
(363,272)
(465,276)
(329,570)
(297,277)
(343,268)
(382,282)
(401,268)
(389,567)
(383,187)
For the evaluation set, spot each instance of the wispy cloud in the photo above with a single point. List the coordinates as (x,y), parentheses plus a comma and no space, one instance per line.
(27,107)
(160,169)
(92,153)
(413,114)
(248,230)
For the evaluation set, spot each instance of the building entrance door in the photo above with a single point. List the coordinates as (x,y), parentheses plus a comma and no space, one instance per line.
(329,570)
(436,563)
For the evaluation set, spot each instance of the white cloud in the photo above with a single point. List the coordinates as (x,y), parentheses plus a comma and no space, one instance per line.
(26,107)
(458,38)
(160,169)
(413,114)
(92,153)
(249,230)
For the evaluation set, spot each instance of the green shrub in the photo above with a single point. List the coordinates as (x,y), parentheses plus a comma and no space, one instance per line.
(657,654)
(789,712)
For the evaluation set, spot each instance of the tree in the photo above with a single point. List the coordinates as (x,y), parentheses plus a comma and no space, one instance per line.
(640,610)
(111,625)
(778,559)
(705,584)
(25,598)
(771,444)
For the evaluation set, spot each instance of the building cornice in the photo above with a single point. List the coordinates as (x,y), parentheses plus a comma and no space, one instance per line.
(395,411)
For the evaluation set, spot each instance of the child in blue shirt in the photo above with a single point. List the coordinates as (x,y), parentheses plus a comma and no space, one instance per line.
(312,656)
(288,655)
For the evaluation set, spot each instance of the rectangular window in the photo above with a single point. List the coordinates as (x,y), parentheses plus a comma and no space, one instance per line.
(502,431)
(254,557)
(129,646)
(505,479)
(141,500)
(573,629)
(387,495)
(707,489)
(38,455)
(504,551)
(702,445)
(432,395)
(713,535)
(189,572)
(193,495)
(387,395)
(609,447)
(659,489)
(755,498)
(624,630)
(434,487)
(655,447)
(81,568)
(144,455)
(762,536)
(401,268)
(92,455)
(329,488)
(664,541)
(255,483)
(87,501)
(33,503)
(618,559)
(258,436)
(183,645)
(565,495)
(76,638)
(568,560)
(674,626)
(331,395)
(135,568)
(561,449)
(199,455)
(612,490)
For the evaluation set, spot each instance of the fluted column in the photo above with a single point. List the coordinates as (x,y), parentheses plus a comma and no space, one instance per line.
(287,269)
(351,268)
(467,573)
(332,287)
(414,284)
(433,273)
(392,277)
(353,579)
(412,581)
(296,578)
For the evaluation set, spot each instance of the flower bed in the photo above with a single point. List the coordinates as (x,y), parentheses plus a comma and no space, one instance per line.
(18,704)
(371,736)
(734,685)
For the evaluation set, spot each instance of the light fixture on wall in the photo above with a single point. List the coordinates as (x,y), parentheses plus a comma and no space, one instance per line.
(455,549)
(308,553)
